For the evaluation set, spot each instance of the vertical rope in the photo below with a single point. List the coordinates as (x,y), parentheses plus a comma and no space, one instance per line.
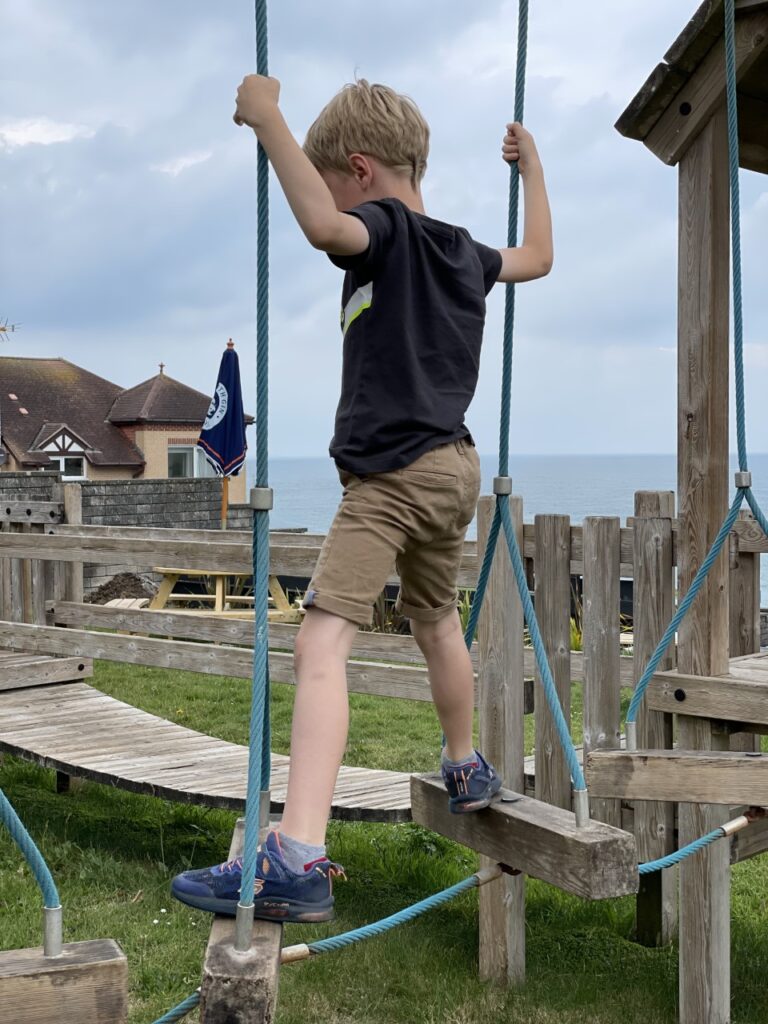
(512,225)
(259,741)
(29,850)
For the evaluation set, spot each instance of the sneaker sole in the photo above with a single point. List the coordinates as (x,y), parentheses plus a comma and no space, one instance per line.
(265,910)
(467,805)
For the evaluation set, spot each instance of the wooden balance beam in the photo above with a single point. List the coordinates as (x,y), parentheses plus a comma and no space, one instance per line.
(596,861)
(87,984)
(684,776)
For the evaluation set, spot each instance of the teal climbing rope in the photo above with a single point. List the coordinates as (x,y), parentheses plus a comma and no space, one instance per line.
(259,741)
(30,852)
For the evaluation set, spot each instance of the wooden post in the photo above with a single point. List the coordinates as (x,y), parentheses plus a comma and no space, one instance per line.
(600,640)
(553,611)
(502,726)
(73,515)
(652,608)
(240,988)
(703,282)
(744,616)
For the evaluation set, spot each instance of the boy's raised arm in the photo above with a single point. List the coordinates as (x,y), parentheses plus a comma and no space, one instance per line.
(533,257)
(308,197)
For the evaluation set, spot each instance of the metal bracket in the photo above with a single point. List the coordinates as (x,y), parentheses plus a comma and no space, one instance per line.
(262,499)
(502,485)
(743,479)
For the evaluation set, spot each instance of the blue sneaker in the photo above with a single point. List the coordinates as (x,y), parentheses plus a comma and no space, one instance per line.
(471,786)
(279,893)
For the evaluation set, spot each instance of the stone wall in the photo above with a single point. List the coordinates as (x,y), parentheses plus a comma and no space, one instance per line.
(182,504)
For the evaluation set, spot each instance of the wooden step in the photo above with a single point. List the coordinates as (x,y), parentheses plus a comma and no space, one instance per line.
(686,776)
(597,861)
(87,984)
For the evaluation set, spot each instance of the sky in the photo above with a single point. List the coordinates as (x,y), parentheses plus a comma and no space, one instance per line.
(127,201)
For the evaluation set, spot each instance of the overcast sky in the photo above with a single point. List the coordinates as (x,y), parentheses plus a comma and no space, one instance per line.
(127,201)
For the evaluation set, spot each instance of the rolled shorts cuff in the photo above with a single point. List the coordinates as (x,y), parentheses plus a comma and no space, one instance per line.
(412,611)
(359,613)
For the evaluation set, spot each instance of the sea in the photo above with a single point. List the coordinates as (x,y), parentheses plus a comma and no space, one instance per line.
(307,490)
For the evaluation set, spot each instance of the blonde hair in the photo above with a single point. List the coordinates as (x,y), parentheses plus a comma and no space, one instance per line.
(374,120)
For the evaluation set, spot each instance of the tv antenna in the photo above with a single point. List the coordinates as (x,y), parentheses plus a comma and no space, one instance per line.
(6,328)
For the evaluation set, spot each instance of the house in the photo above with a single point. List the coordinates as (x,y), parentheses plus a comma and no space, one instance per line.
(55,415)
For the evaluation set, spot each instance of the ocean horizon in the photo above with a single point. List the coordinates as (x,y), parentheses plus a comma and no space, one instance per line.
(307,489)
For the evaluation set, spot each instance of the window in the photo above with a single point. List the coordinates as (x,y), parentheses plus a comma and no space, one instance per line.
(71,467)
(187,461)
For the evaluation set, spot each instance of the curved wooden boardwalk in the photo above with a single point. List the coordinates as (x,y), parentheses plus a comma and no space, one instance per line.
(76,729)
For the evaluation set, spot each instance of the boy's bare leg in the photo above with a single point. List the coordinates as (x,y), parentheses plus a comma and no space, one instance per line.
(320,723)
(451,680)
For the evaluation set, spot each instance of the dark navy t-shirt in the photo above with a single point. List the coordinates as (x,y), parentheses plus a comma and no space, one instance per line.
(413,310)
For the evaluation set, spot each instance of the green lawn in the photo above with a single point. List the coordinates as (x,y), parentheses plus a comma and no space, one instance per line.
(113,853)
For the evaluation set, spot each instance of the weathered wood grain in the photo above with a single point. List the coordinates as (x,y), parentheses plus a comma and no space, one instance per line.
(87,984)
(725,698)
(704,90)
(600,638)
(597,861)
(47,512)
(79,731)
(553,611)
(653,607)
(694,776)
(703,287)
(502,740)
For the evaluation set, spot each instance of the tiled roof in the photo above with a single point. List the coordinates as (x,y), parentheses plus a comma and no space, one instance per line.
(54,392)
(161,399)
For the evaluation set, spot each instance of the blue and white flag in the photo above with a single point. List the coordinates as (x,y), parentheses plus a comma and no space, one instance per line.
(222,438)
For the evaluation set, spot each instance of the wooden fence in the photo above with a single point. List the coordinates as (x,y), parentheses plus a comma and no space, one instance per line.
(42,611)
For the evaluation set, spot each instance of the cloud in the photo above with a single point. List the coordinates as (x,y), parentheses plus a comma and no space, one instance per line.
(41,132)
(133,239)
(176,165)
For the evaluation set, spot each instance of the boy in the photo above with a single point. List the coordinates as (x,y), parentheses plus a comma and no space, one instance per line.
(413,309)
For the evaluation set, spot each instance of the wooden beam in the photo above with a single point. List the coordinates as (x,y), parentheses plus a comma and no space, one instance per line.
(87,984)
(600,631)
(40,671)
(240,988)
(703,490)
(597,861)
(653,604)
(406,681)
(704,91)
(553,611)
(31,511)
(722,698)
(502,740)
(696,776)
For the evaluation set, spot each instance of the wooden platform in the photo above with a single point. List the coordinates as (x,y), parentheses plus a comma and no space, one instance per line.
(76,729)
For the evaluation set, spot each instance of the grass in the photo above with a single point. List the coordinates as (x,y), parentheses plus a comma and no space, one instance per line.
(113,853)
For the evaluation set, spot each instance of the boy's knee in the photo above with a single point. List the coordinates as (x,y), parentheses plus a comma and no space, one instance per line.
(431,633)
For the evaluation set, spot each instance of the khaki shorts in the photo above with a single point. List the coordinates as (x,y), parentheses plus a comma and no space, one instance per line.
(412,520)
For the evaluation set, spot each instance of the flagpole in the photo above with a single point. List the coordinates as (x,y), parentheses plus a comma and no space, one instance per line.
(224,501)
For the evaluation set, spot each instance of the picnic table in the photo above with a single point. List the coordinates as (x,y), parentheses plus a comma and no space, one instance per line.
(280,607)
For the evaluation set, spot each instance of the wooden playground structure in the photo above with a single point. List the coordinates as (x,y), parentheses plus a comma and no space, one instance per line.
(699,762)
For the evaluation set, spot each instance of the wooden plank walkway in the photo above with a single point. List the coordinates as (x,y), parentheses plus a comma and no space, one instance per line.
(78,730)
